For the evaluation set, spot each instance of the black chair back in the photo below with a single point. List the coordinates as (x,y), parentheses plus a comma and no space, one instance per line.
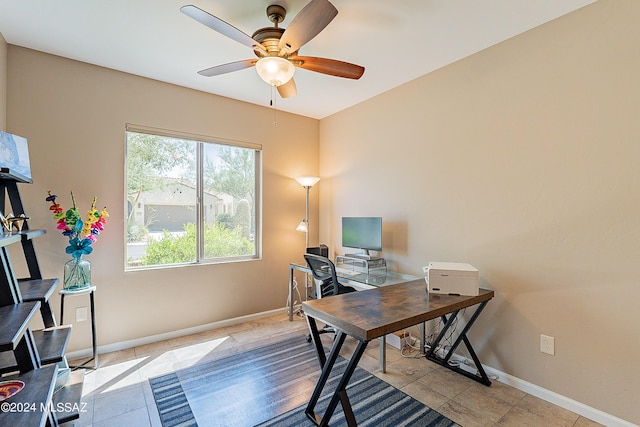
(324,271)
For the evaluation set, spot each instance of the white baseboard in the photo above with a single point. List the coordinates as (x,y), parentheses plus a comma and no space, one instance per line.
(123,345)
(560,400)
(532,389)
(555,398)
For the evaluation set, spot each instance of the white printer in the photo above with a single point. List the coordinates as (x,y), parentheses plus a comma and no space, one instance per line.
(452,278)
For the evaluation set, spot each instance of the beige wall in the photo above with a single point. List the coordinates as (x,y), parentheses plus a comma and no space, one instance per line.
(522,160)
(3,83)
(74,114)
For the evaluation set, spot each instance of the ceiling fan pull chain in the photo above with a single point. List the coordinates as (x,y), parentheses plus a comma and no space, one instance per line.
(275,107)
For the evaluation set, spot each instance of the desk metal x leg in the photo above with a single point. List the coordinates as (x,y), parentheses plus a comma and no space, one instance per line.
(326,364)
(462,337)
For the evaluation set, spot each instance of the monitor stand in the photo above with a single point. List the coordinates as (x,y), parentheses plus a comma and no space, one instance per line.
(363,255)
(359,256)
(364,261)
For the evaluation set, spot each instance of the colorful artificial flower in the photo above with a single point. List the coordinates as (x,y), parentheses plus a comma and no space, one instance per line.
(81,233)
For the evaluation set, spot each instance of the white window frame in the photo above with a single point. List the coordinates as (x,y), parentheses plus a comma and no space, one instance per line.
(201,139)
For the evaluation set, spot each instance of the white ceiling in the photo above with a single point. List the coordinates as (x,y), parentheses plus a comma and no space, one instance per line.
(396,41)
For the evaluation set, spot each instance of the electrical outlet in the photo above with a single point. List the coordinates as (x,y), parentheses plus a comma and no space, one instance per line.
(81,314)
(547,344)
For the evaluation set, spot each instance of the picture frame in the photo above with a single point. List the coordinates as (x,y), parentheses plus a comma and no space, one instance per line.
(14,158)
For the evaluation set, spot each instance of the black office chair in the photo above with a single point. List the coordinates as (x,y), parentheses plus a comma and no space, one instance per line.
(327,284)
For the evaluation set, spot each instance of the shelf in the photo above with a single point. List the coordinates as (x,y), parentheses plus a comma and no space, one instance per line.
(8,363)
(52,343)
(37,391)
(69,398)
(31,234)
(9,239)
(37,289)
(14,321)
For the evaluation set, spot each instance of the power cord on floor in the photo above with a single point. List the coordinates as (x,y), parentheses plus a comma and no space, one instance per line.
(410,346)
(296,291)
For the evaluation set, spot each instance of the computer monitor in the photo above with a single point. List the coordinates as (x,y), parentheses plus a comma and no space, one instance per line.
(362,233)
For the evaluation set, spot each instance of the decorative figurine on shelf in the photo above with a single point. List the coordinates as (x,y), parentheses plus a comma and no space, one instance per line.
(18,221)
(5,223)
(10,221)
(81,234)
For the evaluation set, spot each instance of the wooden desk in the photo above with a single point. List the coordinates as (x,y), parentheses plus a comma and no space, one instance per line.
(358,281)
(373,313)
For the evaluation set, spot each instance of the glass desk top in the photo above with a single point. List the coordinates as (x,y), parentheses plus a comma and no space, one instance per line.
(364,280)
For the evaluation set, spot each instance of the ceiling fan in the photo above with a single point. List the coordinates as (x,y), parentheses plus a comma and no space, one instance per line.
(277,48)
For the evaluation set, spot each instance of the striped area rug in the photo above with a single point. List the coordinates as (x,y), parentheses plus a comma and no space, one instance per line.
(270,386)
(171,401)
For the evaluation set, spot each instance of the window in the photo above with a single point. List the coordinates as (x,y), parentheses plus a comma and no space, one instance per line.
(190,199)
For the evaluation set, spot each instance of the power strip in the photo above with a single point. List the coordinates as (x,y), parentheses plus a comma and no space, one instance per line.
(405,341)
(408,342)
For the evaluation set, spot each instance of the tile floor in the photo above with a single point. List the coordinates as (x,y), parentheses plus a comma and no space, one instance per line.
(118,393)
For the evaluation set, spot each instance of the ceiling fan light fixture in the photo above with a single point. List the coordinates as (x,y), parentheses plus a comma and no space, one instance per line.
(275,70)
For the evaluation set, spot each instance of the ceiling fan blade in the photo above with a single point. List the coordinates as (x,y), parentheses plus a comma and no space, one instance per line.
(228,68)
(307,24)
(331,67)
(218,25)
(288,89)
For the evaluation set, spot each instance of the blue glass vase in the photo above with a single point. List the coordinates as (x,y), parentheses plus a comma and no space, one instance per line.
(77,274)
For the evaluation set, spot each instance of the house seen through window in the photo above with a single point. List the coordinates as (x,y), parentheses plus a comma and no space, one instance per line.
(189,201)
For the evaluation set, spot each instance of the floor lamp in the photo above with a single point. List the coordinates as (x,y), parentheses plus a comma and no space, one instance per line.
(307,182)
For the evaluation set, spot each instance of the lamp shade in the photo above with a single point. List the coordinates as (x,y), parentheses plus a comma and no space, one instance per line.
(275,70)
(308,181)
(302,226)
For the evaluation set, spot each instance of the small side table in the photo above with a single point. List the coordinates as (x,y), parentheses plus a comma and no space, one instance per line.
(90,290)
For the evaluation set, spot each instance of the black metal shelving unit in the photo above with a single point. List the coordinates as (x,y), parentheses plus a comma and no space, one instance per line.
(33,357)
